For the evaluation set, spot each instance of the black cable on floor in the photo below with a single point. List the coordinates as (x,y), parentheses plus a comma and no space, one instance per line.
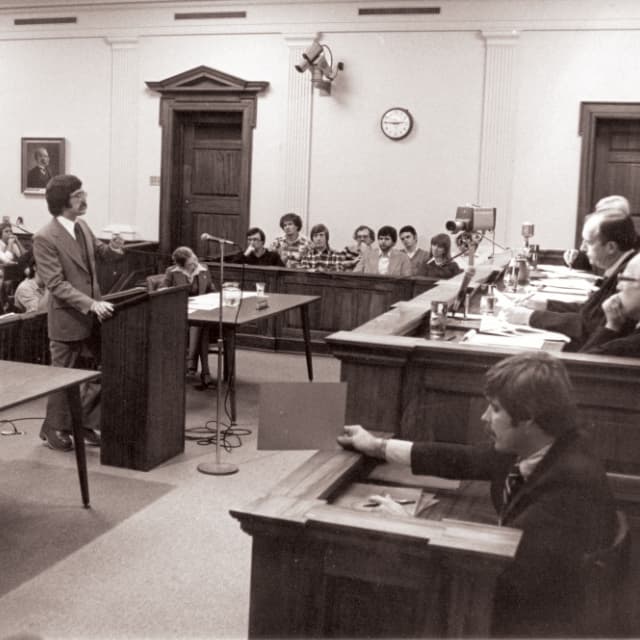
(14,430)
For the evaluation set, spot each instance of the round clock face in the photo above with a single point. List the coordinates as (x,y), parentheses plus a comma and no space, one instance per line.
(396,123)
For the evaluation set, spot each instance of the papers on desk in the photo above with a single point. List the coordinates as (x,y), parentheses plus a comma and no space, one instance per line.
(357,496)
(496,331)
(210,301)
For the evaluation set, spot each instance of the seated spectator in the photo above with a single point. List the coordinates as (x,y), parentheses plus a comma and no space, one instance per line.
(188,270)
(363,237)
(385,260)
(10,248)
(255,253)
(31,294)
(292,246)
(418,257)
(615,338)
(441,265)
(322,257)
(4,297)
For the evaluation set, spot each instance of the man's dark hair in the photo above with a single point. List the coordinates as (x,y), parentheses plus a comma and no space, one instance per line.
(408,229)
(259,231)
(291,217)
(534,386)
(58,191)
(616,226)
(363,227)
(387,230)
(320,228)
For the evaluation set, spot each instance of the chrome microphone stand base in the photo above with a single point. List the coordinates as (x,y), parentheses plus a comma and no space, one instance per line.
(217,468)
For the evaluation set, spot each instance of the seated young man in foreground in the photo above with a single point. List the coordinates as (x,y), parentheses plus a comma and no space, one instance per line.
(544,481)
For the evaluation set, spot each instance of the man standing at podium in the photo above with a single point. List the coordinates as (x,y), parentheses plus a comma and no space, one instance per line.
(65,251)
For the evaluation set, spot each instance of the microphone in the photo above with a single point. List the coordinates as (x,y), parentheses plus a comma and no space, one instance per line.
(469,272)
(248,251)
(208,237)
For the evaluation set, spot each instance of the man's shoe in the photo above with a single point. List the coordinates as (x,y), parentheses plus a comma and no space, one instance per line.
(92,438)
(58,440)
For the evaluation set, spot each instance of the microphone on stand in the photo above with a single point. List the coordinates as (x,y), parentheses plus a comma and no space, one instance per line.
(209,238)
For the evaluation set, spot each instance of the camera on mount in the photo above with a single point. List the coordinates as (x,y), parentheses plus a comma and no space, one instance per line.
(472,218)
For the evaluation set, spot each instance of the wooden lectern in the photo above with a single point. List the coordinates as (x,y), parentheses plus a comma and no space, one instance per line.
(143,371)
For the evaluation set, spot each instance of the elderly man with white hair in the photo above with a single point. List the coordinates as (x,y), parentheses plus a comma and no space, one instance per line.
(614,338)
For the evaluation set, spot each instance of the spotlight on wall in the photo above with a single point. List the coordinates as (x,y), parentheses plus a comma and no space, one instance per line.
(319,59)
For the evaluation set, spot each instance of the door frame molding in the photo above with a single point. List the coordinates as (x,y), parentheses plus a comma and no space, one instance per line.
(590,113)
(201,89)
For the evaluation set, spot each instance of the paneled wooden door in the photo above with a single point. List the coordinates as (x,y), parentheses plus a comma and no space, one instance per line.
(214,178)
(617,162)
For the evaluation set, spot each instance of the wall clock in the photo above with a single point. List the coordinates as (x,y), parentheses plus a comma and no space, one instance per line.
(396,123)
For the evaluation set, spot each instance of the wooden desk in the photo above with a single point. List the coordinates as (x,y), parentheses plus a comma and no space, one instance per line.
(21,382)
(246,313)
(319,570)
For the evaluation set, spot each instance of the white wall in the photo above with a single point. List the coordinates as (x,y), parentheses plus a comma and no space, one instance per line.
(56,82)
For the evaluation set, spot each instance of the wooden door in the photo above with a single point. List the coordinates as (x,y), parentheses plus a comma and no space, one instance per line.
(617,162)
(215,179)
(610,162)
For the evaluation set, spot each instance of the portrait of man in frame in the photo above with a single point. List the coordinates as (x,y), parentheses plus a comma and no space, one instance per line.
(42,159)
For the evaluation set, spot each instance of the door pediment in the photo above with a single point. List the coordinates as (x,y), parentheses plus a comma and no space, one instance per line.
(204,80)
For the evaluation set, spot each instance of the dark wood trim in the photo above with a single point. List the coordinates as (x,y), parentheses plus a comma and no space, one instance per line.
(201,89)
(590,114)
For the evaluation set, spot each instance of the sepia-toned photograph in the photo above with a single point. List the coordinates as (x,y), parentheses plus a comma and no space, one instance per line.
(42,158)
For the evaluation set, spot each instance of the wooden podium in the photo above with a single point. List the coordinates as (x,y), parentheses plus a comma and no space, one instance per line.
(143,371)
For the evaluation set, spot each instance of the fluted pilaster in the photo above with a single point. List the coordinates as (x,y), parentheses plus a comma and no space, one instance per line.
(298,132)
(123,160)
(498,127)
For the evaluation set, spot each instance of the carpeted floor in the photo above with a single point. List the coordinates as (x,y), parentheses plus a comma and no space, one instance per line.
(37,498)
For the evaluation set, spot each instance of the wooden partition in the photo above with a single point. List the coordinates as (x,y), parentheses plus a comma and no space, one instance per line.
(322,570)
(347,301)
(24,338)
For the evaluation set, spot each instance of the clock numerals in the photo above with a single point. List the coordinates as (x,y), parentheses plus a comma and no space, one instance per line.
(396,123)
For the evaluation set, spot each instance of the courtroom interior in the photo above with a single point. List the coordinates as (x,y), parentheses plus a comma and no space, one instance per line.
(382,202)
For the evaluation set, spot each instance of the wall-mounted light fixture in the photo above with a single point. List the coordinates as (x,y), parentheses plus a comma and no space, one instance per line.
(319,59)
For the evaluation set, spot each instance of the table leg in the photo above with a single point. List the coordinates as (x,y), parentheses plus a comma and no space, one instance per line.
(77,426)
(304,314)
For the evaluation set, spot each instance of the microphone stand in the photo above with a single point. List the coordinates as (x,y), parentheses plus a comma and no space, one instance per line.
(219,468)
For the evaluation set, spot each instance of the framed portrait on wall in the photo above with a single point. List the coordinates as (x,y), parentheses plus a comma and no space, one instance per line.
(42,158)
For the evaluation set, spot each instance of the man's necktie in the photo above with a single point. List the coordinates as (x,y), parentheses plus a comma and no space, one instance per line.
(82,243)
(512,484)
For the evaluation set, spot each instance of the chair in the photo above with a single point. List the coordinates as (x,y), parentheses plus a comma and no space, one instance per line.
(605,578)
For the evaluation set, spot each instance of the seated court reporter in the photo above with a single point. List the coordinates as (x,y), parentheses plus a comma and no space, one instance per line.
(255,253)
(31,294)
(187,270)
(620,336)
(610,241)
(544,481)
(440,265)
(10,248)
(418,257)
(385,260)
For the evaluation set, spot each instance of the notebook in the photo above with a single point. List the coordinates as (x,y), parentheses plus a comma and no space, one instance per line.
(301,415)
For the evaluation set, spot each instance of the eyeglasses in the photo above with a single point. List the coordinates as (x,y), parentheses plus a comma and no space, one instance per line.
(623,278)
(79,194)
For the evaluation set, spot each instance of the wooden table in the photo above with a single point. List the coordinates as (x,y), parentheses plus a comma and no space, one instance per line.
(21,382)
(246,313)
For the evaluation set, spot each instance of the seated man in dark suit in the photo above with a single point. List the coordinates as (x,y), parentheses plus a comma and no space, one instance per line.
(610,240)
(615,338)
(255,253)
(544,481)
(39,175)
